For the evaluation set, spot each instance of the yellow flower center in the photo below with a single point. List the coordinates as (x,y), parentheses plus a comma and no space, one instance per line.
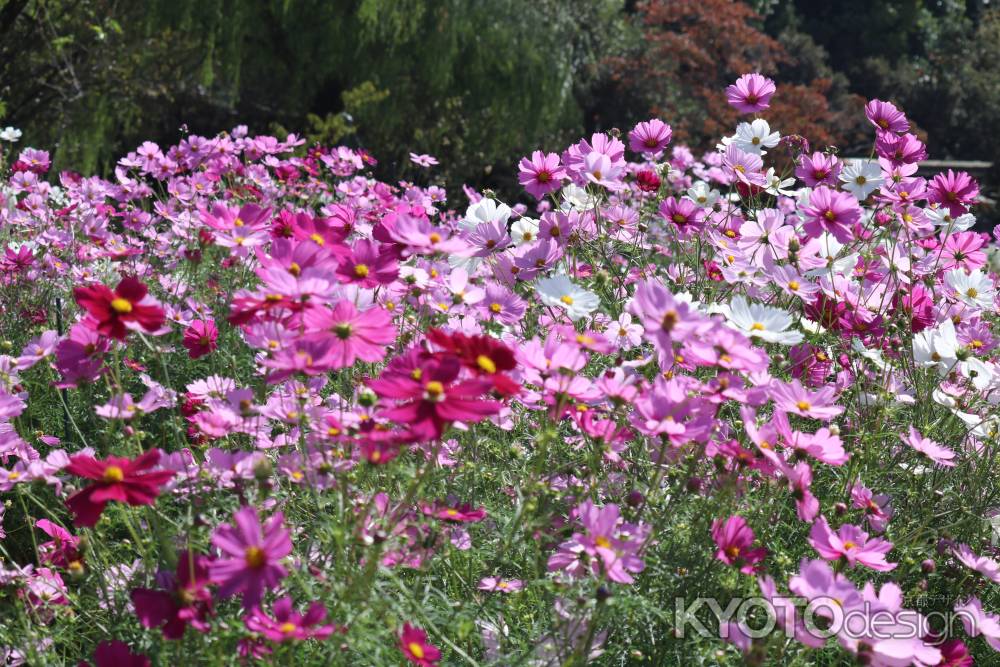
(121,306)
(255,557)
(113,474)
(318,239)
(793,285)
(295,269)
(849,545)
(603,542)
(238,222)
(435,237)
(486,364)
(361,271)
(567,299)
(434,389)
(972,293)
(416,649)
(756,326)
(803,405)
(733,551)
(495,307)
(286,628)
(670,319)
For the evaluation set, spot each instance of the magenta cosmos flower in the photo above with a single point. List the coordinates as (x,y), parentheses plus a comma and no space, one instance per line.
(886,117)
(831,211)
(250,554)
(650,136)
(414,645)
(289,625)
(541,174)
(351,333)
(751,93)
(852,544)
(201,338)
(735,541)
(185,600)
(366,264)
(954,191)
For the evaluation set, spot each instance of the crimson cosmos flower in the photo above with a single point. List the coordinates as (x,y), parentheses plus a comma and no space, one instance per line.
(129,306)
(115,478)
(187,601)
(433,396)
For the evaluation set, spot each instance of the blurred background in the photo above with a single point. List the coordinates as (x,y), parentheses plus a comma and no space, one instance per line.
(479,83)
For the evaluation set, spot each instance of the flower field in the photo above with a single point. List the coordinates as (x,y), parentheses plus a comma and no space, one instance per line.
(259,407)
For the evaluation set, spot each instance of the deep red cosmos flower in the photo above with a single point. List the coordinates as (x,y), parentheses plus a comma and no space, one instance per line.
(129,306)
(187,600)
(115,478)
(434,396)
(483,355)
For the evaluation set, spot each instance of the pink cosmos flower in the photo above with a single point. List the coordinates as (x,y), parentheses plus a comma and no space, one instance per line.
(735,538)
(852,544)
(415,647)
(306,356)
(201,338)
(955,191)
(289,625)
(610,545)
(886,117)
(978,621)
(751,93)
(819,169)
(367,264)
(501,585)
(831,211)
(250,555)
(681,212)
(650,136)
(987,567)
(350,334)
(541,174)
(423,159)
(793,397)
(937,453)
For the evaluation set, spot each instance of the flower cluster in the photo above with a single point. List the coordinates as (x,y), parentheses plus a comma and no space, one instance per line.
(264,405)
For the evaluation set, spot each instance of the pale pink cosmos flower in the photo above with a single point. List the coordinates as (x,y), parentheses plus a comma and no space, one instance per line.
(793,397)
(987,567)
(937,453)
(498,584)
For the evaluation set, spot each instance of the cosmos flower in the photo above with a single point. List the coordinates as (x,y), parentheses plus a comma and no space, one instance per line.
(751,93)
(113,313)
(250,555)
(123,480)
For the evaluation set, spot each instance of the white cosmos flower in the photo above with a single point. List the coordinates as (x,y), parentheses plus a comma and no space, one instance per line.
(776,186)
(702,194)
(941,217)
(754,137)
(937,347)
(11,134)
(974,289)
(524,230)
(576,198)
(486,210)
(763,322)
(560,292)
(861,178)
(829,249)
